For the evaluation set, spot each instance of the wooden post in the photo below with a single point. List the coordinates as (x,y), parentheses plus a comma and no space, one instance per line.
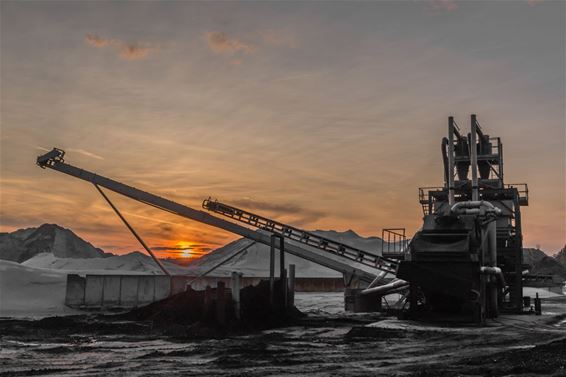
(538,306)
(221,303)
(236,292)
(291,285)
(285,289)
(207,305)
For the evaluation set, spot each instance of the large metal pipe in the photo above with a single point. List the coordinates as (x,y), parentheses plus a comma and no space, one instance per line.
(492,242)
(491,229)
(466,207)
(495,271)
(451,161)
(394,285)
(474,158)
(377,280)
(444,151)
(489,247)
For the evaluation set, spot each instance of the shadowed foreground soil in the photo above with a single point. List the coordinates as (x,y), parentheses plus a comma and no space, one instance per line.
(320,344)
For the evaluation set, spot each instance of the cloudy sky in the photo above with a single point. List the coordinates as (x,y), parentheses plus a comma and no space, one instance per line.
(327,115)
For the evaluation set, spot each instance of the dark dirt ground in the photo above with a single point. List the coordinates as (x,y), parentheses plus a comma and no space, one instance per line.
(321,344)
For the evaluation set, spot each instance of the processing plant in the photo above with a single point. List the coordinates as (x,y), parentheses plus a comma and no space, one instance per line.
(467,257)
(465,262)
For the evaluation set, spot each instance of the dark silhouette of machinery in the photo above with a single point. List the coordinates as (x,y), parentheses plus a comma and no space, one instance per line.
(466,259)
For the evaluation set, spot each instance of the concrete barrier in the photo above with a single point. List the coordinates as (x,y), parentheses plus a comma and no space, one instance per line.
(162,287)
(146,290)
(111,290)
(75,293)
(94,290)
(129,291)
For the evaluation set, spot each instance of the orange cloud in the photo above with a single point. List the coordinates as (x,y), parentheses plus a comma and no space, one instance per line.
(128,51)
(134,51)
(221,43)
(95,41)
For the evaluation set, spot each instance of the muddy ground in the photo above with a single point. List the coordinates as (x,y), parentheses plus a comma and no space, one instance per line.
(323,343)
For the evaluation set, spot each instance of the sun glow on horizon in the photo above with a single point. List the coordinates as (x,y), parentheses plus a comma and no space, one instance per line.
(186,249)
(187,253)
(339,162)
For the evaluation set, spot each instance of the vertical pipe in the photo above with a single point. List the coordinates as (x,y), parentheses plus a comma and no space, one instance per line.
(291,294)
(450,161)
(271,269)
(492,239)
(500,150)
(474,158)
(516,292)
(494,291)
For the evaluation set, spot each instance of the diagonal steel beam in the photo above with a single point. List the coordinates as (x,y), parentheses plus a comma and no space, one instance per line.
(140,240)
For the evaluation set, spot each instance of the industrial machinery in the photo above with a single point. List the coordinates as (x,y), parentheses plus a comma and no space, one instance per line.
(466,260)
(357,266)
(370,259)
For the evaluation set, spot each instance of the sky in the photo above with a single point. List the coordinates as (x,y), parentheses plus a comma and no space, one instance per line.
(324,115)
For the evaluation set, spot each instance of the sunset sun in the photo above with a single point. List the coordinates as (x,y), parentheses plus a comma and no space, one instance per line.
(187,253)
(185,249)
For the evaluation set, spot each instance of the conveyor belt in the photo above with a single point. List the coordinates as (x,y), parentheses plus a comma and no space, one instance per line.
(308,238)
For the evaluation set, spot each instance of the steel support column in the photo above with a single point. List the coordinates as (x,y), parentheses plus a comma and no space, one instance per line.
(272,269)
(474,158)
